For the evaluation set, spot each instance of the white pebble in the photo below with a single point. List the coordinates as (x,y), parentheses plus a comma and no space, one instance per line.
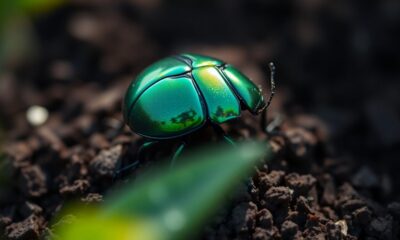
(37,115)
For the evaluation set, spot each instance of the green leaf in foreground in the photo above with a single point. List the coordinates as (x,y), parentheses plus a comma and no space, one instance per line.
(169,204)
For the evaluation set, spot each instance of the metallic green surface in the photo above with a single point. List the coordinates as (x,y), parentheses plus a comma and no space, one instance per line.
(162,68)
(165,101)
(249,93)
(169,108)
(222,104)
(201,61)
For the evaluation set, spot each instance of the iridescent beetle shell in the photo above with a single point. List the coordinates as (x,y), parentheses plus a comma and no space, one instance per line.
(178,95)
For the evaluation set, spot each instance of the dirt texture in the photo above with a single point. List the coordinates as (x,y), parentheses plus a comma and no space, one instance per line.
(335,134)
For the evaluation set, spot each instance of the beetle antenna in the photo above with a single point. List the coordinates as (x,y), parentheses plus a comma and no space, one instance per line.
(271,66)
(271,95)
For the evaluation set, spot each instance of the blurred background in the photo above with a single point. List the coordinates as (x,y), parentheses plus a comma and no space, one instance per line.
(338,67)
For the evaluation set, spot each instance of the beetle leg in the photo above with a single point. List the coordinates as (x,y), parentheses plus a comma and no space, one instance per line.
(271,127)
(218,129)
(177,153)
(119,170)
(229,140)
(263,120)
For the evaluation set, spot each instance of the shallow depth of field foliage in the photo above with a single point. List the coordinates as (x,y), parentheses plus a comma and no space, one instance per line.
(167,203)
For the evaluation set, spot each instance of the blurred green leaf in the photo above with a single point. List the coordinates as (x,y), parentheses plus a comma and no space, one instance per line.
(89,225)
(17,37)
(38,6)
(28,7)
(17,42)
(170,204)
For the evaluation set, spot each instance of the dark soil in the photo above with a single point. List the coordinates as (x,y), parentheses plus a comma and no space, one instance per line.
(335,124)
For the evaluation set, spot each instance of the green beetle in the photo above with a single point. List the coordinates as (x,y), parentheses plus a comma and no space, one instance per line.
(180,94)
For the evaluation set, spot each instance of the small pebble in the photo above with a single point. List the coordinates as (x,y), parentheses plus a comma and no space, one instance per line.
(37,115)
